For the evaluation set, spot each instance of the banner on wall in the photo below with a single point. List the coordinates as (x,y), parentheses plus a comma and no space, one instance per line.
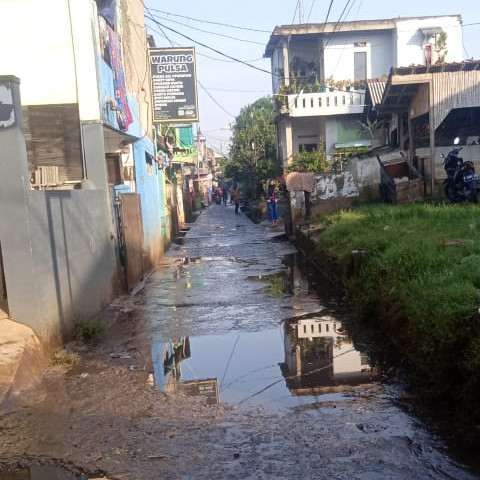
(174,85)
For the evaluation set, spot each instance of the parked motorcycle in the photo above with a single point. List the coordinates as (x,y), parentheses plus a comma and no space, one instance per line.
(461,183)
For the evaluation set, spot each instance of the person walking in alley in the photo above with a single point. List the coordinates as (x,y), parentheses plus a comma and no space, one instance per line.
(236,197)
(225,195)
(272,203)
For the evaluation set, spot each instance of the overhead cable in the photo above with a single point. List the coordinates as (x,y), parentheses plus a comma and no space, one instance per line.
(161,32)
(310,11)
(214,101)
(295,12)
(211,48)
(211,33)
(213,23)
(329,10)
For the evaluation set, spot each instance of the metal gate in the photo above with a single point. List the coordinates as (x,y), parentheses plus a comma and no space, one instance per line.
(128,216)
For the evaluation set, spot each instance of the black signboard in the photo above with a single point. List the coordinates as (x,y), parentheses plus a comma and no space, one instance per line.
(174,85)
(207,387)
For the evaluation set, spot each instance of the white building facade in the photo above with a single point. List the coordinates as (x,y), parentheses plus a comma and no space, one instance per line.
(319,73)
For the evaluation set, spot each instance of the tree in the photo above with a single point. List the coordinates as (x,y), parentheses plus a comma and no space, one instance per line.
(253,149)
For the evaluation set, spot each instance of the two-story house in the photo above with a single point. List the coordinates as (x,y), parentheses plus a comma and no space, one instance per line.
(319,73)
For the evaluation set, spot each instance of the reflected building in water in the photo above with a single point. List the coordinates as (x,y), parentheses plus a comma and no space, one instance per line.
(168,362)
(320,357)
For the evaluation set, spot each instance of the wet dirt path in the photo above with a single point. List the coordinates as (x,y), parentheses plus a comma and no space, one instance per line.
(279,391)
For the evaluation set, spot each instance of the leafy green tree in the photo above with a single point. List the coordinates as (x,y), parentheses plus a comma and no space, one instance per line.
(253,150)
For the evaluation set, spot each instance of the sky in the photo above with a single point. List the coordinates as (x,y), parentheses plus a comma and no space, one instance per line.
(230,39)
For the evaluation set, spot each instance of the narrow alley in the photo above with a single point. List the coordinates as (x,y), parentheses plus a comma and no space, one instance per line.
(228,364)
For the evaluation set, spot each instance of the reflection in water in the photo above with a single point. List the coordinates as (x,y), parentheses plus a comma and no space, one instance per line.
(243,367)
(174,353)
(42,473)
(320,357)
(314,352)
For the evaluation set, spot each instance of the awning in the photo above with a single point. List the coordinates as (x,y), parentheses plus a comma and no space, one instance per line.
(357,143)
(375,90)
(430,31)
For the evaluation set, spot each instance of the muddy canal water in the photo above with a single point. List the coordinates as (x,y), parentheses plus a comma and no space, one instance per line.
(236,320)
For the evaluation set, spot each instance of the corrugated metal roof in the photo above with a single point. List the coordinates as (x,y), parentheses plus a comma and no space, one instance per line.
(437,68)
(376,87)
(432,31)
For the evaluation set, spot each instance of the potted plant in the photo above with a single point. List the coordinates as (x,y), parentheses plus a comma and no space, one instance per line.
(331,83)
(359,84)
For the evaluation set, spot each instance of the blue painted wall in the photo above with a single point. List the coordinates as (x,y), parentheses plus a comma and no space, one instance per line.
(149,181)
(149,184)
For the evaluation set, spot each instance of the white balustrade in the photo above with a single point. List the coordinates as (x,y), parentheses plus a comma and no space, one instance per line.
(326,103)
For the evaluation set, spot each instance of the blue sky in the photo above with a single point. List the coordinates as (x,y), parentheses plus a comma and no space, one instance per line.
(225,85)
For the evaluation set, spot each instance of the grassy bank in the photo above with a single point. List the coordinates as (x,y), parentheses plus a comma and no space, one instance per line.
(418,283)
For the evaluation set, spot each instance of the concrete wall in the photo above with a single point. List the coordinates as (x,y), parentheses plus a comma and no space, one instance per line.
(73,258)
(57,246)
(332,192)
(468,152)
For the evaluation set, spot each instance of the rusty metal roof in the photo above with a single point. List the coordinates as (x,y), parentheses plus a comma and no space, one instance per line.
(437,68)
(397,97)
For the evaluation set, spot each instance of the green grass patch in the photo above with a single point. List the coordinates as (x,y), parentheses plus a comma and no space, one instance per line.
(88,331)
(419,282)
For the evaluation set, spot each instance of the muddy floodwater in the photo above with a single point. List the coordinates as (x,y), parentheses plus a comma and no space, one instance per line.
(234,361)
(236,317)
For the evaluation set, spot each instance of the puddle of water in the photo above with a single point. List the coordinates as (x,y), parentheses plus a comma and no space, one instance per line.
(303,361)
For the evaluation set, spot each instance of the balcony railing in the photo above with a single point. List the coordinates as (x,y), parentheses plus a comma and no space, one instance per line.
(324,103)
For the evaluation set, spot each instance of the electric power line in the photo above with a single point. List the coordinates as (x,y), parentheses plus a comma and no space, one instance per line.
(329,10)
(339,22)
(161,32)
(211,48)
(215,101)
(210,22)
(212,33)
(310,11)
(295,12)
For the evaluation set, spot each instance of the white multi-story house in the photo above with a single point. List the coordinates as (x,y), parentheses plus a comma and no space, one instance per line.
(319,73)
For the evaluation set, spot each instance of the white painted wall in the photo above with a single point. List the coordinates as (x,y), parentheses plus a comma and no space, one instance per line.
(339,54)
(38,45)
(410,39)
(306,131)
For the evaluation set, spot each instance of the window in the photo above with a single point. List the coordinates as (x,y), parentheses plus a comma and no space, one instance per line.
(308,147)
(360,66)
(149,164)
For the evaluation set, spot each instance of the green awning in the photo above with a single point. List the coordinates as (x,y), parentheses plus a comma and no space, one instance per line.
(357,143)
